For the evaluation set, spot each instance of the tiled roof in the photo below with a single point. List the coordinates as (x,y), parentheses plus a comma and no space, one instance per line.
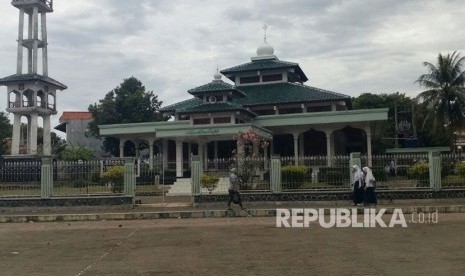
(181,105)
(215,107)
(267,94)
(281,93)
(266,64)
(75,116)
(214,87)
(32,77)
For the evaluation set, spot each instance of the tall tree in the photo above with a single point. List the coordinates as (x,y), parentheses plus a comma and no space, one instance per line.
(445,94)
(127,103)
(5,132)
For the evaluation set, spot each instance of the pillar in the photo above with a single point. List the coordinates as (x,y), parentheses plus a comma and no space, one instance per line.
(47,146)
(33,142)
(29,50)
(196,171)
(179,159)
(328,147)
(369,154)
(151,155)
(36,39)
(46,178)
(201,153)
(19,68)
(44,47)
(275,174)
(16,135)
(165,153)
(296,148)
(121,147)
(205,155)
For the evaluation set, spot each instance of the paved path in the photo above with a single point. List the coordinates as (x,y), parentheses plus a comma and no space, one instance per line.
(229,246)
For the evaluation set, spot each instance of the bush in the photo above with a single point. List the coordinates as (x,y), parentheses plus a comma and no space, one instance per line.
(293,176)
(460,169)
(334,176)
(209,180)
(380,174)
(115,177)
(420,172)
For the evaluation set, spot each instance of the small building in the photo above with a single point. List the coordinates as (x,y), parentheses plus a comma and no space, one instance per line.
(267,96)
(75,125)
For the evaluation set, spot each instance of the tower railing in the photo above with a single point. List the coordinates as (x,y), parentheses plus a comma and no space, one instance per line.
(47,3)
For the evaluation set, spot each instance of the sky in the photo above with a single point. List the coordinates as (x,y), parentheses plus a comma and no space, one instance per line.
(349,47)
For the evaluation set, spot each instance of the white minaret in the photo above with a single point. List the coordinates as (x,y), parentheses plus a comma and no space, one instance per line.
(32,93)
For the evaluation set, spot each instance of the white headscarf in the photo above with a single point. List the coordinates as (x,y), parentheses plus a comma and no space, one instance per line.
(358,174)
(369,177)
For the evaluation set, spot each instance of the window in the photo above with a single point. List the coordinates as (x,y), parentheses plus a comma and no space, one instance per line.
(265,112)
(222,120)
(202,121)
(250,79)
(275,77)
(319,108)
(290,110)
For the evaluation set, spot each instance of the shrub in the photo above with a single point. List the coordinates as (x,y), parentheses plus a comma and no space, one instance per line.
(209,180)
(293,176)
(420,172)
(115,177)
(460,169)
(334,176)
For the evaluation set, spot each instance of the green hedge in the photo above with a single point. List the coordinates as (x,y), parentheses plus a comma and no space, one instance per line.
(420,172)
(293,176)
(334,176)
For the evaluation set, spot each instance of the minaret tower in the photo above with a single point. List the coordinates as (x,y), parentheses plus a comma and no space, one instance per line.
(32,93)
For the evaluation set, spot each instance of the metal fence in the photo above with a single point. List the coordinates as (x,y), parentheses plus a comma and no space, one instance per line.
(452,171)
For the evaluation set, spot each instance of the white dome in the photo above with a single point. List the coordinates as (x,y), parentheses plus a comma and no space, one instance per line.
(217,76)
(265,50)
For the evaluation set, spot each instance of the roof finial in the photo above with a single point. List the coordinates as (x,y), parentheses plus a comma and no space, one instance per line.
(217,76)
(264,29)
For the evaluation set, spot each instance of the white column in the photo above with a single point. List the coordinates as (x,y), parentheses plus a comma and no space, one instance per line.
(44,47)
(179,159)
(165,153)
(201,152)
(151,154)
(328,147)
(16,135)
(136,145)
(19,68)
(33,144)
(121,147)
(36,39)
(47,147)
(296,148)
(301,145)
(215,157)
(29,50)
(370,159)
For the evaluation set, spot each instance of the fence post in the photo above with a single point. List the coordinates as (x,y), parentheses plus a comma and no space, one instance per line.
(129,177)
(434,163)
(354,160)
(275,174)
(46,178)
(196,171)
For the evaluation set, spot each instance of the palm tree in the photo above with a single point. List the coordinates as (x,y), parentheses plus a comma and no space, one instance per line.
(445,94)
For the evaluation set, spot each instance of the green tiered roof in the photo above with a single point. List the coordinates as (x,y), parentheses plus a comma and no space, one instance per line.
(268,94)
(215,87)
(265,64)
(215,107)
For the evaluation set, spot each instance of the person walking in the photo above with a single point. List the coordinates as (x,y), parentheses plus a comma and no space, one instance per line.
(233,190)
(357,185)
(370,186)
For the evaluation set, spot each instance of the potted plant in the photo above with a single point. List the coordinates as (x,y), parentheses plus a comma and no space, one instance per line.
(209,181)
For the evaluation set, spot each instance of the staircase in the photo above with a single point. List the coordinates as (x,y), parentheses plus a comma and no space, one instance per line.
(182,187)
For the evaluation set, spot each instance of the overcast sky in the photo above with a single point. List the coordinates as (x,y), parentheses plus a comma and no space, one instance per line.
(349,47)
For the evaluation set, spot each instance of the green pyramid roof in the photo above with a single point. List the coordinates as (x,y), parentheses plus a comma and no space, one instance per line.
(214,87)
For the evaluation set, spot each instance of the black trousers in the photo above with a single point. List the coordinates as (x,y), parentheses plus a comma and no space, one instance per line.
(370,196)
(231,196)
(357,194)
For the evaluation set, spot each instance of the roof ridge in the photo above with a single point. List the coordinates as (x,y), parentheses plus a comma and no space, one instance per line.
(319,89)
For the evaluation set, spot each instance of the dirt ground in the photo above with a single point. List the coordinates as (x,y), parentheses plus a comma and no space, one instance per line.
(230,246)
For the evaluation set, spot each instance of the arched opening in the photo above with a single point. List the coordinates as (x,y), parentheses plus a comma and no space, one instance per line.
(23,135)
(51,101)
(283,144)
(28,98)
(349,140)
(40,99)
(14,99)
(314,142)
(129,149)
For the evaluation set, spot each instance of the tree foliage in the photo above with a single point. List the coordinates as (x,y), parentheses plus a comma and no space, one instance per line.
(5,132)
(127,103)
(444,99)
(75,153)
